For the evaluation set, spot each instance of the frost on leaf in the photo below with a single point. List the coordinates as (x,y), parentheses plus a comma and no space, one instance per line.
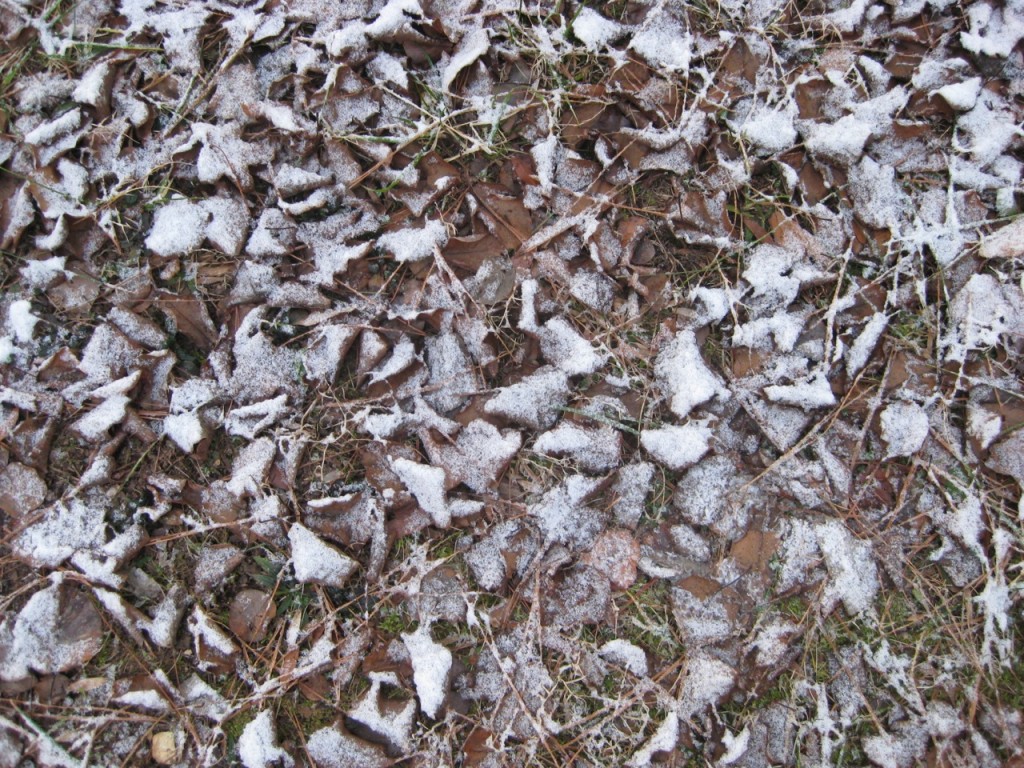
(904,428)
(225,154)
(676,447)
(565,348)
(257,746)
(534,401)
(391,720)
(250,420)
(813,392)
(178,228)
(316,561)
(414,244)
(594,449)
(333,748)
(64,529)
(431,663)
(564,516)
(478,456)
(707,681)
(57,630)
(853,577)
(684,377)
(982,313)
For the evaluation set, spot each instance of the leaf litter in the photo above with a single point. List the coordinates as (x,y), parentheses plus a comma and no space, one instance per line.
(490,384)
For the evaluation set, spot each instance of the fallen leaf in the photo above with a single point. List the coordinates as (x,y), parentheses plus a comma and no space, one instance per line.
(191,317)
(250,614)
(615,554)
(21,490)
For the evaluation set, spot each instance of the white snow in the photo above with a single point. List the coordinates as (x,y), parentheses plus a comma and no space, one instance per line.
(663,740)
(228,226)
(90,88)
(684,377)
(904,428)
(545,155)
(414,244)
(330,748)
(595,449)
(563,515)
(677,447)
(993,31)
(185,429)
(813,392)
(257,746)
(57,128)
(707,679)
(564,347)
(961,96)
(94,425)
(983,425)
(594,30)
(735,746)
(38,273)
(31,646)
(534,401)
(860,350)
(212,636)
(178,228)
(426,483)
(664,44)
(21,320)
(250,467)
(249,420)
(853,577)
(842,141)
(626,655)
(316,561)
(1005,243)
(393,725)
(431,663)
(771,130)
(472,46)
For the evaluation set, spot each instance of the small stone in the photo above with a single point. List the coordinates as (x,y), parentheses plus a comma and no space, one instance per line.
(165,748)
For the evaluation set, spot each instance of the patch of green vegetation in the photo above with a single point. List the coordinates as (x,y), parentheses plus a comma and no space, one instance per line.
(289,595)
(794,607)
(395,621)
(444,548)
(233,730)
(912,329)
(645,618)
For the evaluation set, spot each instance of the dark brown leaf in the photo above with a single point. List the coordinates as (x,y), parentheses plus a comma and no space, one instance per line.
(250,615)
(191,317)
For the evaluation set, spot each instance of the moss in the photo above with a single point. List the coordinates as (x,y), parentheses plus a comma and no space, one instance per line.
(394,621)
(233,731)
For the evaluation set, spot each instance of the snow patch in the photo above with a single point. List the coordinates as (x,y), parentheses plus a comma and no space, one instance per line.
(431,663)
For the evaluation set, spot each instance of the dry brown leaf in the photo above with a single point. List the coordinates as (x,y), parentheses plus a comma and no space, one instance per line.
(250,614)
(191,317)
(469,252)
(22,490)
(511,223)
